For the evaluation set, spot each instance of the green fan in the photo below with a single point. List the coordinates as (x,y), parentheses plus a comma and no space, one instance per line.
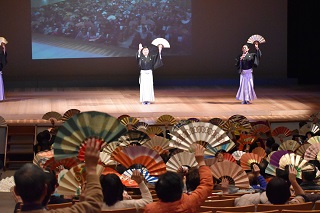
(75,130)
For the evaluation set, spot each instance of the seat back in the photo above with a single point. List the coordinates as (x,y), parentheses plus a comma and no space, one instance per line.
(300,211)
(272,211)
(300,206)
(59,205)
(250,208)
(126,210)
(225,202)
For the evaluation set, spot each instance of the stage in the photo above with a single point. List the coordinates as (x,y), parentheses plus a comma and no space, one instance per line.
(274,103)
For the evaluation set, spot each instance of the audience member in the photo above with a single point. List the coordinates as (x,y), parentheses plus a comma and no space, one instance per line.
(113,188)
(169,190)
(31,185)
(308,178)
(256,180)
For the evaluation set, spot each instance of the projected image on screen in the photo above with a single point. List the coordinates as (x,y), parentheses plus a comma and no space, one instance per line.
(107,28)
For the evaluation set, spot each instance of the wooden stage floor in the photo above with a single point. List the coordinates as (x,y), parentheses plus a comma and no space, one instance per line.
(274,103)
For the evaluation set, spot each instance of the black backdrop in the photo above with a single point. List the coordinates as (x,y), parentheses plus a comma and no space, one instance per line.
(219,30)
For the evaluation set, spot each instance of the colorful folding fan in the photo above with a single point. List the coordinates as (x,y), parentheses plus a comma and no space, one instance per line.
(225,125)
(144,172)
(68,114)
(314,128)
(312,153)
(302,149)
(41,158)
(58,165)
(226,147)
(271,170)
(297,161)
(232,172)
(248,159)
(281,132)
(259,151)
(159,144)
(145,156)
(237,154)
(256,38)
(129,122)
(133,137)
(276,156)
(314,140)
(239,124)
(84,125)
(154,130)
(166,120)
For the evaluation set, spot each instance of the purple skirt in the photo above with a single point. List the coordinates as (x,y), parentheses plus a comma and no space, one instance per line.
(246,90)
(1,87)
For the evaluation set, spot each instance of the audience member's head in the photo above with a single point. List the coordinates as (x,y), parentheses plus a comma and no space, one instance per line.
(112,188)
(192,179)
(169,187)
(52,183)
(310,174)
(30,183)
(283,173)
(278,191)
(270,141)
(263,165)
(274,147)
(252,179)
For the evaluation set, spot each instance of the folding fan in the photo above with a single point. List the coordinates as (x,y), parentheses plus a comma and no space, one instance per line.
(227,156)
(297,161)
(248,159)
(259,151)
(314,116)
(141,155)
(269,156)
(181,159)
(245,139)
(281,132)
(144,172)
(154,130)
(133,137)
(302,149)
(72,181)
(54,130)
(52,114)
(6,184)
(142,126)
(166,120)
(276,156)
(2,121)
(69,113)
(314,128)
(226,147)
(41,158)
(110,147)
(271,170)
(84,125)
(256,38)
(312,152)
(239,123)
(210,161)
(82,150)
(161,41)
(129,122)
(193,119)
(225,125)
(314,140)
(159,144)
(237,154)
(290,145)
(57,165)
(122,116)
(260,130)
(106,159)
(232,172)
(180,124)
(199,132)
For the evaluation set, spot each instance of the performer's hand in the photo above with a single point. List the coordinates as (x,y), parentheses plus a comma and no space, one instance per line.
(160,46)
(140,47)
(256,45)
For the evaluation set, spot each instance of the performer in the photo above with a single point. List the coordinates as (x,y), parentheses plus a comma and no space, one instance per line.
(245,63)
(3,62)
(147,63)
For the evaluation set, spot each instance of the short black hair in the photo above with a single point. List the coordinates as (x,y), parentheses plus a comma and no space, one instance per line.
(192,179)
(270,141)
(30,182)
(169,187)
(275,147)
(112,188)
(309,175)
(278,191)
(51,182)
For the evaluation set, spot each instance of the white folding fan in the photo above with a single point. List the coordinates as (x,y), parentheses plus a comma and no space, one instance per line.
(237,154)
(297,161)
(312,153)
(145,156)
(159,144)
(199,132)
(290,145)
(256,38)
(106,159)
(314,128)
(314,140)
(84,125)
(110,147)
(302,149)
(232,172)
(72,181)
(271,170)
(161,41)
(179,160)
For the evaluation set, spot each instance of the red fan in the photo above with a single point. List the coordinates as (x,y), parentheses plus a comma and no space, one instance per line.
(281,132)
(227,156)
(259,151)
(82,150)
(232,172)
(260,130)
(57,165)
(141,155)
(248,159)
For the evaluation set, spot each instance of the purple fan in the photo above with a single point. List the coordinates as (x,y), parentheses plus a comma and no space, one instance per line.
(275,157)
